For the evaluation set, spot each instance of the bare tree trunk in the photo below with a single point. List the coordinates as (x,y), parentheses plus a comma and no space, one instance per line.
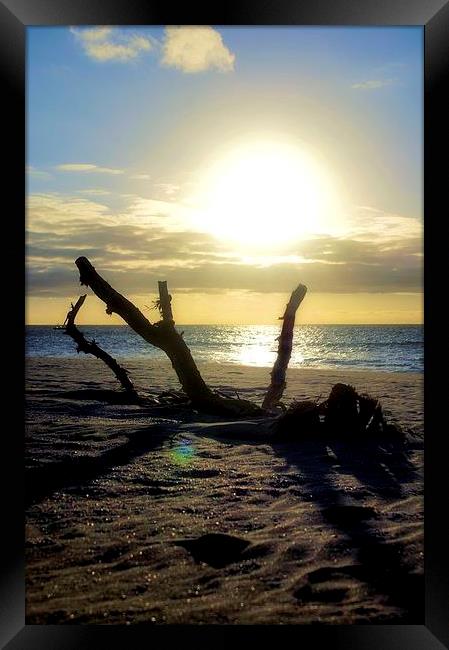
(278,383)
(90,347)
(165,303)
(163,335)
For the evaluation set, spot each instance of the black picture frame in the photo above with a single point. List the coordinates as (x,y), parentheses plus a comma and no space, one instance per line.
(433,15)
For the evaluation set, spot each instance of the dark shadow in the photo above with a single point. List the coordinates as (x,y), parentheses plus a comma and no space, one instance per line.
(41,481)
(383,465)
(381,468)
(215,549)
(103,395)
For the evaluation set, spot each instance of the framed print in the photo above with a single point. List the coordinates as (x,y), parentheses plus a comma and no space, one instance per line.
(232,236)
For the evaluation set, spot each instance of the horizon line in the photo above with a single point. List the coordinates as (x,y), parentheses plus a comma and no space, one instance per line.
(231,324)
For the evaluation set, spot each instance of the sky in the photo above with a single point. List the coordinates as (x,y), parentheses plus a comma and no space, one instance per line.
(235,163)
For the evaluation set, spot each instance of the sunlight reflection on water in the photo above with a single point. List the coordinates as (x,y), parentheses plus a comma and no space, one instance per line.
(391,347)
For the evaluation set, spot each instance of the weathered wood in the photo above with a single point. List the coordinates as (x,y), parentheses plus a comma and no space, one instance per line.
(167,339)
(91,347)
(278,382)
(71,315)
(165,303)
(163,335)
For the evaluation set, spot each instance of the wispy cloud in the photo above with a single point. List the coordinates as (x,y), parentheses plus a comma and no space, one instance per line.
(371,224)
(196,49)
(140,177)
(94,191)
(373,84)
(159,214)
(147,240)
(52,212)
(111,44)
(87,167)
(38,173)
(169,189)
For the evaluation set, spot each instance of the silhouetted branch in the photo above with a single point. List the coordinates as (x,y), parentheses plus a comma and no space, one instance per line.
(163,335)
(165,303)
(91,347)
(278,383)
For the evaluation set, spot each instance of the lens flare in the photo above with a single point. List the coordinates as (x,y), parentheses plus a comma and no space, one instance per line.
(183,452)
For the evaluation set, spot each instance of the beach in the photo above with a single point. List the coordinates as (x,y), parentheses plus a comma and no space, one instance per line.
(333,531)
(213,211)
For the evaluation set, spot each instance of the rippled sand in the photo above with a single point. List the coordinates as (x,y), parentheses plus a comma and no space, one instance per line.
(334,532)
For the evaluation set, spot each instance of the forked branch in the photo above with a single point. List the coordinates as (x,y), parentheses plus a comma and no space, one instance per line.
(91,347)
(163,335)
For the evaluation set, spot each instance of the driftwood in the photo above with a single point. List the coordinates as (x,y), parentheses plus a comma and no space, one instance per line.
(164,336)
(278,383)
(344,414)
(164,303)
(91,347)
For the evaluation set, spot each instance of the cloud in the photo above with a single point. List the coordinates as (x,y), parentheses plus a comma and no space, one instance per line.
(196,49)
(160,214)
(372,224)
(169,189)
(140,177)
(373,84)
(94,191)
(38,173)
(93,35)
(58,214)
(46,278)
(87,167)
(148,241)
(187,48)
(110,44)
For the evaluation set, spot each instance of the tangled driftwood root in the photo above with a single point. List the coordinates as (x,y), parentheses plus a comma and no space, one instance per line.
(344,414)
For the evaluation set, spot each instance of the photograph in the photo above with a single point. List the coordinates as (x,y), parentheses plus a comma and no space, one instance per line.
(224,325)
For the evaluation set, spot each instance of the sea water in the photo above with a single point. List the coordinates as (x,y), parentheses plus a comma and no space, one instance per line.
(397,348)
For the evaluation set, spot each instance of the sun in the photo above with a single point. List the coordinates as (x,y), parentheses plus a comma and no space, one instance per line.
(265,193)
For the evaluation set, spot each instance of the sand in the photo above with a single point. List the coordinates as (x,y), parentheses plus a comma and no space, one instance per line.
(334,531)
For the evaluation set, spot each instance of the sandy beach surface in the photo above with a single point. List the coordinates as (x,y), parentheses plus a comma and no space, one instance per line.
(329,532)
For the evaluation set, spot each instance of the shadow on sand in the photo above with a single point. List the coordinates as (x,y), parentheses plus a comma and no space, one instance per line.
(381,468)
(42,481)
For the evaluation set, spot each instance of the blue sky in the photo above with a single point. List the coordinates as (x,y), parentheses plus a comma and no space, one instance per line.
(149,115)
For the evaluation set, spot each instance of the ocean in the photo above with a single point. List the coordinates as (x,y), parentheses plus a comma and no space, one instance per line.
(395,348)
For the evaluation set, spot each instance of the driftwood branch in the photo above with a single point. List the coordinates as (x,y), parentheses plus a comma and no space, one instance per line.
(165,303)
(278,374)
(71,315)
(163,335)
(167,339)
(91,347)
(343,413)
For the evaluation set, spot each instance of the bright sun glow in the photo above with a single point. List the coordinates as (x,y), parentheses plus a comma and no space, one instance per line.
(265,193)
